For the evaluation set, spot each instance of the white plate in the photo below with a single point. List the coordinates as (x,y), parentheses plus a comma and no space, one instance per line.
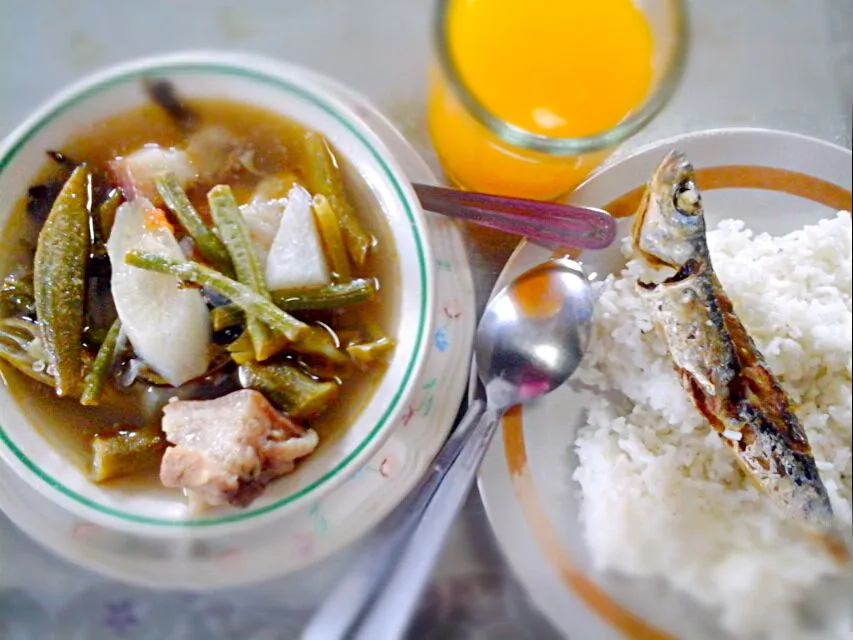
(767,178)
(312,534)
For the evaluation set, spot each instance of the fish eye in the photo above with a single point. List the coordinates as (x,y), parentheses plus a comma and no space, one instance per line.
(687,199)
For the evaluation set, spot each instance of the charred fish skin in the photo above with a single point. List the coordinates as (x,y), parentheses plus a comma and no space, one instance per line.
(687,311)
(718,362)
(771,458)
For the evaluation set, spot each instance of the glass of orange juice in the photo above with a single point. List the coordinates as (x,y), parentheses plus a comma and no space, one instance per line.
(529,96)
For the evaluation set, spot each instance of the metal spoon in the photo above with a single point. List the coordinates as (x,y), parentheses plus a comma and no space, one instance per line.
(550,224)
(530,339)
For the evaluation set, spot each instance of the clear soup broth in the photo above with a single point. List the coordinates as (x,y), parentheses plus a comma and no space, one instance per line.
(267,145)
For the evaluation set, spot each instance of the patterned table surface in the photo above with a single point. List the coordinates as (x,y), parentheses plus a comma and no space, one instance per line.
(784,64)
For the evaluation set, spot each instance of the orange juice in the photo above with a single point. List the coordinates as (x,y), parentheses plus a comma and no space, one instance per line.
(553,68)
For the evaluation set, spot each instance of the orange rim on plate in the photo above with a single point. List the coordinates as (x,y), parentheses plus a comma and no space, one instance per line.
(544,532)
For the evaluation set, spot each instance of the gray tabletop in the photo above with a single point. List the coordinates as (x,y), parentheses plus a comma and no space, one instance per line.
(785,64)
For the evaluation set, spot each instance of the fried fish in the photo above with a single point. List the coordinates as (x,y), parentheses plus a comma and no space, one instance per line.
(718,363)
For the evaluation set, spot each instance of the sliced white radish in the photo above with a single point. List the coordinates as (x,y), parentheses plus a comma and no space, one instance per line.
(262,221)
(135,173)
(296,258)
(168,326)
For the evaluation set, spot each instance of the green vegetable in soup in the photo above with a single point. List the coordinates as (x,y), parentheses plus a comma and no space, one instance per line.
(104,214)
(272,343)
(285,386)
(59,276)
(232,228)
(23,363)
(96,378)
(333,296)
(241,349)
(320,343)
(370,347)
(95,336)
(100,230)
(317,342)
(17,296)
(209,245)
(323,177)
(368,354)
(22,333)
(20,346)
(125,453)
(248,300)
(227,315)
(328,297)
(330,232)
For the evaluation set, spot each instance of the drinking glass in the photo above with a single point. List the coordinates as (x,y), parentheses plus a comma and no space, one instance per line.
(480,151)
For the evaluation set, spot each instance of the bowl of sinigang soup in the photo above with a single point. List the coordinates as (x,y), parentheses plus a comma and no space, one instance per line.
(216,294)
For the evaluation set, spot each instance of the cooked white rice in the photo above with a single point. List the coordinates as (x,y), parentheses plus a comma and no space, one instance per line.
(661,497)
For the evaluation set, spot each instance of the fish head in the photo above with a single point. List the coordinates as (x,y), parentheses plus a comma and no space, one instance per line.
(669,228)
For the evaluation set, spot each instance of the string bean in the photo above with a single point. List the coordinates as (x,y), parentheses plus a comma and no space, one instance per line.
(248,300)
(209,245)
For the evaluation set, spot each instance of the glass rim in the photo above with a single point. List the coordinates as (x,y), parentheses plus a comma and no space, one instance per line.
(522,138)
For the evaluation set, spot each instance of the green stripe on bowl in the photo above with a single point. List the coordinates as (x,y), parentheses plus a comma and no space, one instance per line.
(221,69)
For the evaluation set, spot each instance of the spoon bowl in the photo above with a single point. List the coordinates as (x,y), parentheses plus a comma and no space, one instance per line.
(534,333)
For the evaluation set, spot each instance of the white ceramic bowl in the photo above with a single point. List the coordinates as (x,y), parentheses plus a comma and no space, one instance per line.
(378,181)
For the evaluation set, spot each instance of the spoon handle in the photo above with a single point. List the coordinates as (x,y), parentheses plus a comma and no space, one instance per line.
(395,604)
(337,617)
(557,224)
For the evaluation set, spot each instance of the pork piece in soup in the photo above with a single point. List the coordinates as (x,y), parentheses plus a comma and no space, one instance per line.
(208,257)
